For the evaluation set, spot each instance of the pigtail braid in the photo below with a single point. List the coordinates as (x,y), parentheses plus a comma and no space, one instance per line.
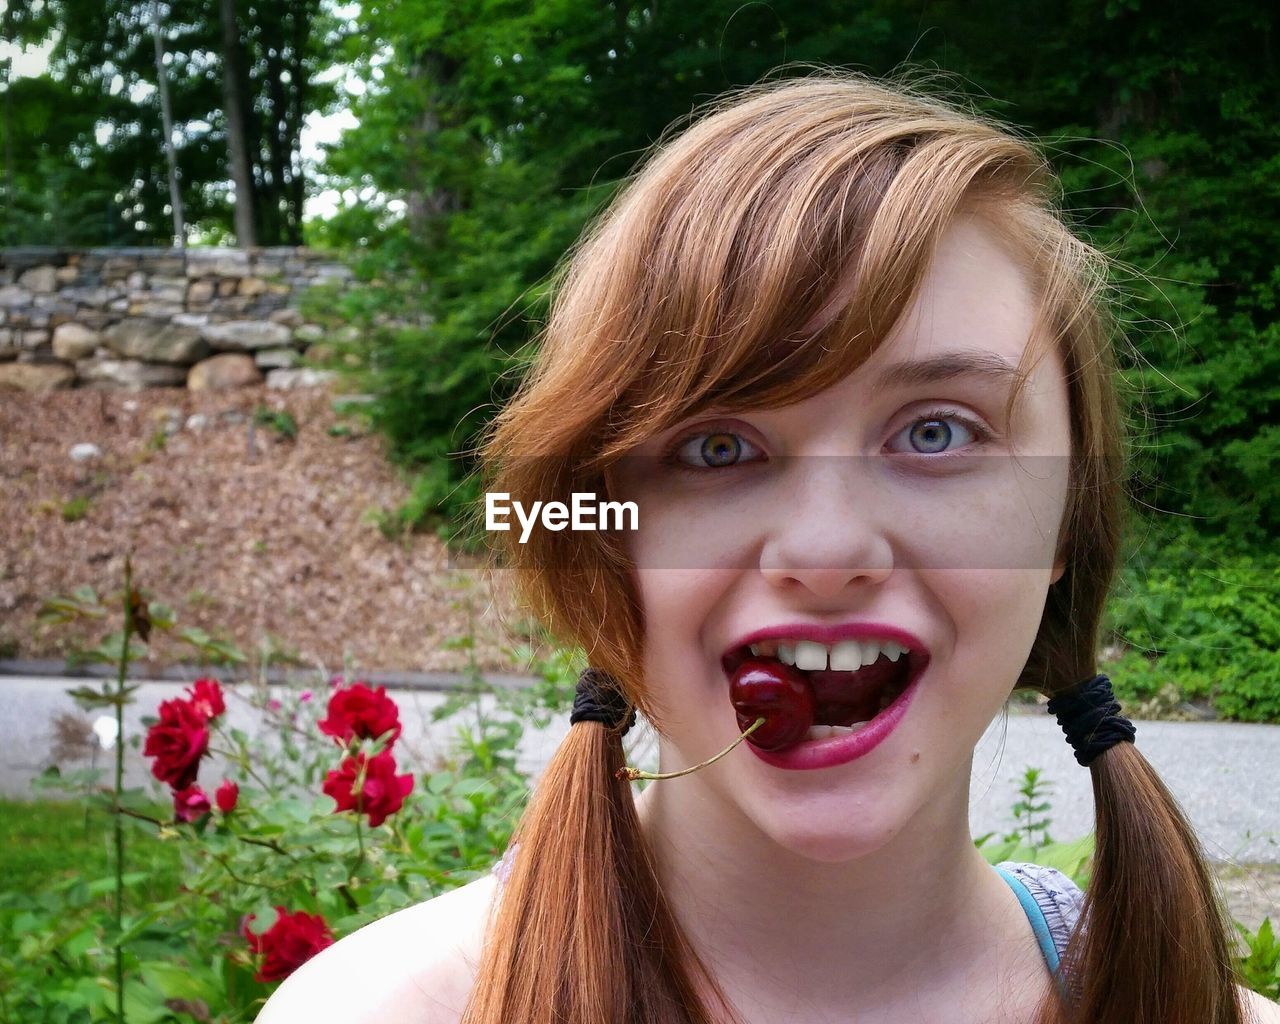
(581,933)
(1152,944)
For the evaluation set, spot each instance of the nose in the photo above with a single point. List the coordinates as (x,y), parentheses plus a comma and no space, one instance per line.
(830,533)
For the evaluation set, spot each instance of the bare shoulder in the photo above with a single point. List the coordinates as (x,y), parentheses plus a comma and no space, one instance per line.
(1263,1009)
(415,965)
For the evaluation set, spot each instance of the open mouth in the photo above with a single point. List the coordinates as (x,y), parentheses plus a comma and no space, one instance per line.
(845,698)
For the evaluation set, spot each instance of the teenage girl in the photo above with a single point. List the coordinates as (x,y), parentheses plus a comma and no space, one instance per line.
(838,346)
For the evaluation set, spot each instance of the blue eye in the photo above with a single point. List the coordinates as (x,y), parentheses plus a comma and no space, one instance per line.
(722,449)
(932,432)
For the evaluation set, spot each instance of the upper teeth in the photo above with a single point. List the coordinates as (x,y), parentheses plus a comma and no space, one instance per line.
(845,656)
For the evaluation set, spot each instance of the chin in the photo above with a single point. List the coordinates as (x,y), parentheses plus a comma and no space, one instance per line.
(824,839)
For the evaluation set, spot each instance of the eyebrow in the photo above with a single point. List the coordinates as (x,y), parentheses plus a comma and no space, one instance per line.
(978,364)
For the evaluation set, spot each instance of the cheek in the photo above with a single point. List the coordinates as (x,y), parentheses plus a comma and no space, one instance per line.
(996,518)
(994,616)
(680,608)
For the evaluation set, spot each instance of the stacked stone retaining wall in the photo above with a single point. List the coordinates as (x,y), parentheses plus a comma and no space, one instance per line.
(135,318)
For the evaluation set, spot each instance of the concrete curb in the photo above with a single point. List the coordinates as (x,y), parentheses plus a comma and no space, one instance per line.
(184,674)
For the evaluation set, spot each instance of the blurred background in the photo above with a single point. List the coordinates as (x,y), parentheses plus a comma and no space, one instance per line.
(449,153)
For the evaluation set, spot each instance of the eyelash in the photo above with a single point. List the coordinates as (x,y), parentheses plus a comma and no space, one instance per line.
(981,436)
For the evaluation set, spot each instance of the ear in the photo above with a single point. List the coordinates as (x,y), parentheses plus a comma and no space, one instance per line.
(1059,567)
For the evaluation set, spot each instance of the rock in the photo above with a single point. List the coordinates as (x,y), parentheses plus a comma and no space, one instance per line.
(269,358)
(288,317)
(308,333)
(97,297)
(189,319)
(129,374)
(11,295)
(36,376)
(226,288)
(200,292)
(197,421)
(157,341)
(333,272)
(167,266)
(84,451)
(305,377)
(73,341)
(169,418)
(228,370)
(246,335)
(252,286)
(118,268)
(8,347)
(216,263)
(156,310)
(67,275)
(264,269)
(136,280)
(40,279)
(34,339)
(170,294)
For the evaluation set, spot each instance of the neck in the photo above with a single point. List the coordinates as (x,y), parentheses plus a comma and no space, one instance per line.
(783,932)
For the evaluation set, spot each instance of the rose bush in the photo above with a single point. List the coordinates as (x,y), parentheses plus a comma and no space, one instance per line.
(357,712)
(190,804)
(318,830)
(226,796)
(369,785)
(177,742)
(288,944)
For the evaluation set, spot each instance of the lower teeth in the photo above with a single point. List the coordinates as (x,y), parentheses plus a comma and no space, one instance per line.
(822,732)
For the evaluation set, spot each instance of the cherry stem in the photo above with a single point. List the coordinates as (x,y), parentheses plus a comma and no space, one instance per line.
(631,774)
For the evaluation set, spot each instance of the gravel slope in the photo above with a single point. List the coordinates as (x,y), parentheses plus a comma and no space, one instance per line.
(245,533)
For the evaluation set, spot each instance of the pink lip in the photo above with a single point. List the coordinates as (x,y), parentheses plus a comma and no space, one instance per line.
(826,635)
(828,753)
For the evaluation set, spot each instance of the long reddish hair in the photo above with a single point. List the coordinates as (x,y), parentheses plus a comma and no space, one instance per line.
(689,290)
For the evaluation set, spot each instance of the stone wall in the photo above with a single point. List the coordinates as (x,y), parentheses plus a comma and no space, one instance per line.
(135,318)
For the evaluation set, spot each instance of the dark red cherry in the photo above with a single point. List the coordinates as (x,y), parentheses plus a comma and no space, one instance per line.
(778,692)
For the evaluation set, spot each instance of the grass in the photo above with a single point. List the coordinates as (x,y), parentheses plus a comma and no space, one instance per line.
(46,841)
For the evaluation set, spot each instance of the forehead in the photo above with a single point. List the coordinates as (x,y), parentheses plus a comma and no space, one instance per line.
(974,300)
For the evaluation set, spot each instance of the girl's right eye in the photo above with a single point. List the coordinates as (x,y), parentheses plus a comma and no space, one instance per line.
(708,450)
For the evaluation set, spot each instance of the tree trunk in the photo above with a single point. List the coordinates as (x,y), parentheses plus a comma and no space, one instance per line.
(166,116)
(237,135)
(429,72)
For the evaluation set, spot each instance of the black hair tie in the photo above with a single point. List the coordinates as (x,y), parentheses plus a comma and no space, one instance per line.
(599,698)
(1090,717)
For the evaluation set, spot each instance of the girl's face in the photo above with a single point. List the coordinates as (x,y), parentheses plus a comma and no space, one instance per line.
(909,504)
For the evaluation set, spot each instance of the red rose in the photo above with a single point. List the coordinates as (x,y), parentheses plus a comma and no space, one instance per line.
(288,944)
(190,804)
(383,791)
(356,710)
(177,742)
(226,796)
(206,695)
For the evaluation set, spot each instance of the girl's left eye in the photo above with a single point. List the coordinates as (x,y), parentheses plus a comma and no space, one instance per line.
(931,432)
(723,449)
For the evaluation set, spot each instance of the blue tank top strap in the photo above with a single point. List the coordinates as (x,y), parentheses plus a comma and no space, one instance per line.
(1040,926)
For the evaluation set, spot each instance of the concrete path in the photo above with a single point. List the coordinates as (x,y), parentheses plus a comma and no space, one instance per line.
(1224,774)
